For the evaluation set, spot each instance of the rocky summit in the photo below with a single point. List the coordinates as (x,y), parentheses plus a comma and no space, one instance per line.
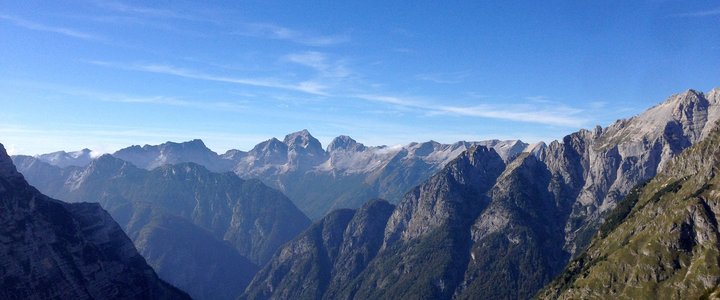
(150,157)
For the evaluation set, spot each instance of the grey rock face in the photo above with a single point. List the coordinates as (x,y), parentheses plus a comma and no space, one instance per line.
(416,250)
(321,261)
(305,146)
(441,200)
(150,157)
(628,152)
(660,242)
(517,240)
(345,143)
(54,250)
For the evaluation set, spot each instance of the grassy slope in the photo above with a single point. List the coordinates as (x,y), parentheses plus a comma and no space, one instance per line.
(662,241)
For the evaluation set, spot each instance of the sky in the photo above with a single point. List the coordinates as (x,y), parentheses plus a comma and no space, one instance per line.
(109,74)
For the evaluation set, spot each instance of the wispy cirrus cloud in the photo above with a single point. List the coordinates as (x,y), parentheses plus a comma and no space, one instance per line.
(320,62)
(104,96)
(444,77)
(277,32)
(556,115)
(392,100)
(123,8)
(172,101)
(310,87)
(704,13)
(27,24)
(538,99)
(209,15)
(562,116)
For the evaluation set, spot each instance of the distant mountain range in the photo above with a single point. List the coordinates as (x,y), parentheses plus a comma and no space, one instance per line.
(54,250)
(317,180)
(204,232)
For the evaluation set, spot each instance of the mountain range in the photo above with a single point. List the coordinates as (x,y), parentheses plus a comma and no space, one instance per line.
(54,250)
(317,180)
(493,219)
(204,232)
(484,227)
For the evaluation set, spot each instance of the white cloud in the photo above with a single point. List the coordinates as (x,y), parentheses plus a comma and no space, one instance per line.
(403,50)
(310,87)
(20,22)
(163,100)
(276,32)
(549,116)
(447,77)
(320,63)
(235,105)
(144,11)
(538,99)
(705,13)
(392,100)
(558,115)
(598,104)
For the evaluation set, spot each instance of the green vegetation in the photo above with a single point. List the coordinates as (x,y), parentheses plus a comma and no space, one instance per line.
(621,211)
(661,241)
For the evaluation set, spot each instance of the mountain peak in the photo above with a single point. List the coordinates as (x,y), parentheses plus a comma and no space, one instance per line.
(692,91)
(152,156)
(272,144)
(304,140)
(344,142)
(714,95)
(682,99)
(302,137)
(193,144)
(681,116)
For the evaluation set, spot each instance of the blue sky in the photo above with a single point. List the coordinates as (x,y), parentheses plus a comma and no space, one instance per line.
(108,74)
